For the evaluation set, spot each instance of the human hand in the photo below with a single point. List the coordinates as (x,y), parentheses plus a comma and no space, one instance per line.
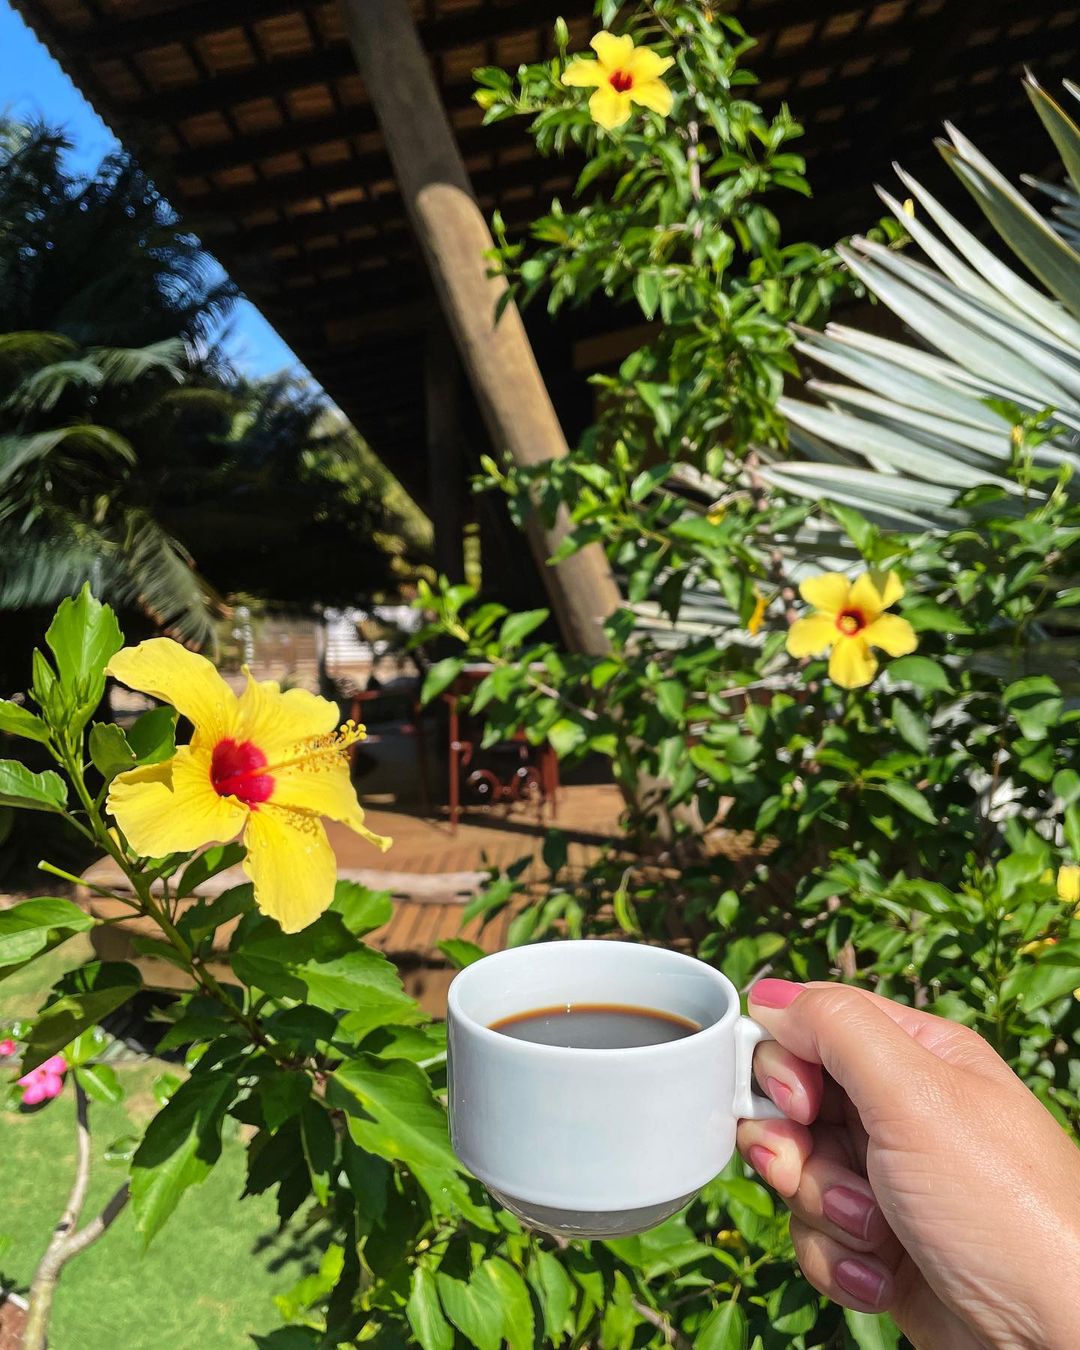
(924,1179)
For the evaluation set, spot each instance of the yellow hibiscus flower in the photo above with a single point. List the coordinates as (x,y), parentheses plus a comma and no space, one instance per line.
(1068,884)
(848,619)
(622,75)
(265,765)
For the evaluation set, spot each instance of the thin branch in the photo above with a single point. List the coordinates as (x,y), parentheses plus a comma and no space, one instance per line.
(96,1227)
(81,1182)
(670,1334)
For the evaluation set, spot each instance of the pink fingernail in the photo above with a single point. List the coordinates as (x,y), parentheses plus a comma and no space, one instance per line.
(850,1210)
(774,993)
(780,1093)
(862,1282)
(760,1158)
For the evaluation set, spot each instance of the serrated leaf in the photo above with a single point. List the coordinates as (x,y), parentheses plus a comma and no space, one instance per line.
(109,750)
(217,858)
(83,998)
(361,910)
(83,636)
(473,1308)
(401,1120)
(425,1314)
(724,1329)
(461,953)
(555,1292)
(320,1148)
(181,1146)
(152,736)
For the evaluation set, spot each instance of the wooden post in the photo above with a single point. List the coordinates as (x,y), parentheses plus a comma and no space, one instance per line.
(455,237)
(446,469)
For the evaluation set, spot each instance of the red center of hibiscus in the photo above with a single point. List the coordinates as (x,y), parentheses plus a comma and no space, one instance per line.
(235,771)
(621,81)
(850,622)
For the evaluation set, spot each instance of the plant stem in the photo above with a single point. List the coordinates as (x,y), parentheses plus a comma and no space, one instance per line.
(66,1240)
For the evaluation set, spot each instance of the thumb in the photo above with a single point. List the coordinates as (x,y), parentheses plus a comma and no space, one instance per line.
(872,1056)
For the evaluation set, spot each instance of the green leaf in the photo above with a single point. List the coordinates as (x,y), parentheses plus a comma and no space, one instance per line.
(83,636)
(217,858)
(1016,870)
(929,617)
(440,677)
(724,1329)
(565,736)
(425,1313)
(153,736)
(206,916)
(517,627)
(109,750)
(320,1148)
(926,675)
(325,966)
(16,720)
(1055,974)
(100,1082)
(180,1148)
(461,953)
(909,797)
(84,997)
(38,925)
(555,1293)
(671,699)
(872,1331)
(648,480)
(1067,785)
(513,1297)
(361,910)
(33,791)
(858,528)
(473,1308)
(912,726)
(283,1094)
(401,1119)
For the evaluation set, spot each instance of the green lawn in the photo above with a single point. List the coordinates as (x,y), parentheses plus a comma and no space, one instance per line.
(210,1276)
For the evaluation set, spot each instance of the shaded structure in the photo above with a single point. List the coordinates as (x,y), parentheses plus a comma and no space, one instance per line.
(305,180)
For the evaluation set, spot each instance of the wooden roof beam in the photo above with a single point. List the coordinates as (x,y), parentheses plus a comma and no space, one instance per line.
(195,21)
(281,190)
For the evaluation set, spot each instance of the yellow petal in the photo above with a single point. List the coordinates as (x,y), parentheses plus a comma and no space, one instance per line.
(278,723)
(873,592)
(1068,883)
(652,94)
(166,671)
(609,108)
(584,74)
(828,592)
(645,64)
(852,664)
(614,53)
(290,860)
(757,617)
(811,636)
(172,807)
(326,791)
(892,634)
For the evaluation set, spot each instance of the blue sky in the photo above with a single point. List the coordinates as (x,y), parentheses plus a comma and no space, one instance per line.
(33,85)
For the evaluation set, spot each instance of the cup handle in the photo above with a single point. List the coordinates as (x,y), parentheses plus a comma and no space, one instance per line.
(751,1105)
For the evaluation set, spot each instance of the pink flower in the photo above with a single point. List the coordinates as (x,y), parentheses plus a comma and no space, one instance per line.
(44,1082)
(7,1048)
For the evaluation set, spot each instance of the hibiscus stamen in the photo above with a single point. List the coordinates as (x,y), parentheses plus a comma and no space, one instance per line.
(850,622)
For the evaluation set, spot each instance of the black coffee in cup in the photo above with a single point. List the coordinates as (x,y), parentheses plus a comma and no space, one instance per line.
(596,1026)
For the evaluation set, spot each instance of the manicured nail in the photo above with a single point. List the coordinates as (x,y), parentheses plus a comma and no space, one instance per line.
(850,1210)
(761,1159)
(774,993)
(862,1282)
(780,1093)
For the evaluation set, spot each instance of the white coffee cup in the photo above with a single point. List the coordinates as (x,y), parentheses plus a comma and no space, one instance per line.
(598,1143)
